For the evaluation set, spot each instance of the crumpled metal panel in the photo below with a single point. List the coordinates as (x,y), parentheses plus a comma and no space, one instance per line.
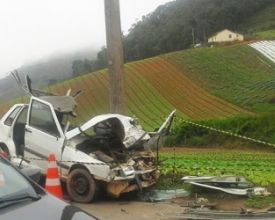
(235,181)
(232,184)
(242,214)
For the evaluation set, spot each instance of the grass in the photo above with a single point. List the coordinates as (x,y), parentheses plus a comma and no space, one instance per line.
(260,202)
(233,132)
(266,34)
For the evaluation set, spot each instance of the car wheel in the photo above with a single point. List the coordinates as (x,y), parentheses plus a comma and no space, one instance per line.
(82,187)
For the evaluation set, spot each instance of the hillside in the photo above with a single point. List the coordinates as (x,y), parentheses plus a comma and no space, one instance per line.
(200,83)
(230,73)
(180,24)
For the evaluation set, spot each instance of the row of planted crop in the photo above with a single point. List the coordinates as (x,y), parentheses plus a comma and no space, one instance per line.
(220,154)
(257,167)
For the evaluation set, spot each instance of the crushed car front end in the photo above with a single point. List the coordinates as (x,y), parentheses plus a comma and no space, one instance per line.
(118,171)
(122,144)
(138,172)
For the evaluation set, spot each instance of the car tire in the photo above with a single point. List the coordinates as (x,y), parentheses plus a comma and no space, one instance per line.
(82,187)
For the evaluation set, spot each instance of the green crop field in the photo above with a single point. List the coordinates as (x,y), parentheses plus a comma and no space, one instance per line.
(257,167)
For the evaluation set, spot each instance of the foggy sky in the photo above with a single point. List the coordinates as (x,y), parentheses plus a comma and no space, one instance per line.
(32,29)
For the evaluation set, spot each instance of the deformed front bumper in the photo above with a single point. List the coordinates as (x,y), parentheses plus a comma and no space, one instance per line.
(141,180)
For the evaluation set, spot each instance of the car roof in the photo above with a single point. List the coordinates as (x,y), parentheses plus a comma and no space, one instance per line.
(62,103)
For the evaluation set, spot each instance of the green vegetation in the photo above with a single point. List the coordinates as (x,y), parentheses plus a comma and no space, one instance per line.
(256,167)
(261,21)
(154,87)
(260,202)
(232,132)
(169,27)
(266,34)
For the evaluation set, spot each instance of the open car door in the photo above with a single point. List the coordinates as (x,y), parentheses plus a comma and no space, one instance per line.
(43,133)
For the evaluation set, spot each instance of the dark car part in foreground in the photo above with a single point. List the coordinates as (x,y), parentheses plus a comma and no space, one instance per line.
(21,198)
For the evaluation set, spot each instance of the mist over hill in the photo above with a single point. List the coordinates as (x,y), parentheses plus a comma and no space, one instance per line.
(48,70)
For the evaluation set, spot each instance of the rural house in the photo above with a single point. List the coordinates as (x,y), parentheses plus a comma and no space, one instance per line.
(225,35)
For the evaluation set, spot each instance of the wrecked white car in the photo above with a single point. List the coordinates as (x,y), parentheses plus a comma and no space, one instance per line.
(110,151)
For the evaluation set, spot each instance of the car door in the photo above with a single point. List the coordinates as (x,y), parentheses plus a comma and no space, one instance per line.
(43,133)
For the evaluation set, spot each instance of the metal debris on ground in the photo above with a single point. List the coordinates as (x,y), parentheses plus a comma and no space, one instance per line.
(201,208)
(200,203)
(228,215)
(232,184)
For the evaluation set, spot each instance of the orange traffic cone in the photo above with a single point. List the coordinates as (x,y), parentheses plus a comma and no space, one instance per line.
(2,180)
(53,184)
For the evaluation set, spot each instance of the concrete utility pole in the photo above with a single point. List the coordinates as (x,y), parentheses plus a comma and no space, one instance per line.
(115,57)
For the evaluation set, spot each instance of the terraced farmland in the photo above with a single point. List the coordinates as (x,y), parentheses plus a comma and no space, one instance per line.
(182,93)
(154,87)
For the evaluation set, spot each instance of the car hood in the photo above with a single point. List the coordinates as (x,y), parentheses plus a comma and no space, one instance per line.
(125,127)
(48,207)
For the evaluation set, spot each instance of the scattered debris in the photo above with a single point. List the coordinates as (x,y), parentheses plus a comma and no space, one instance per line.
(162,195)
(232,184)
(201,208)
(213,214)
(200,203)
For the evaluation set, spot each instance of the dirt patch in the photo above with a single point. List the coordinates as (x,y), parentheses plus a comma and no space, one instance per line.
(135,210)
